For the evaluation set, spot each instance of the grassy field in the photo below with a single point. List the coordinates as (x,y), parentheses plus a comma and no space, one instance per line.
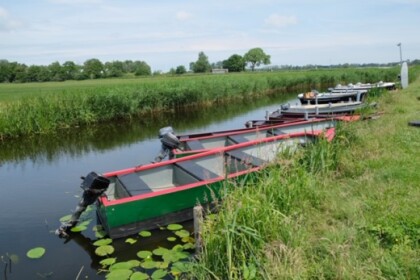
(42,108)
(342,210)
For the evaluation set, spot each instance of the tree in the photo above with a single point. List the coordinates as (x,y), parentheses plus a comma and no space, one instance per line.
(180,70)
(70,70)
(255,57)
(202,64)
(114,69)
(56,72)
(235,63)
(5,71)
(142,68)
(93,68)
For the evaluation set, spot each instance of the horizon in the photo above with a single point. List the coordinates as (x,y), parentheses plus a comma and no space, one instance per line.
(166,34)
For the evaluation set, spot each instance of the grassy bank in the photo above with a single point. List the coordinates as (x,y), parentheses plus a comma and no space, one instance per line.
(27,109)
(342,210)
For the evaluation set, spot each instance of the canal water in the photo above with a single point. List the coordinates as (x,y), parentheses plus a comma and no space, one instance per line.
(40,179)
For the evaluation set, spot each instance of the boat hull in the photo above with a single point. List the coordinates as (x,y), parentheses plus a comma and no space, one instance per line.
(174,187)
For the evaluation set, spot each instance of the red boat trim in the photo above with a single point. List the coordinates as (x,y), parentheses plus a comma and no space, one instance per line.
(220,150)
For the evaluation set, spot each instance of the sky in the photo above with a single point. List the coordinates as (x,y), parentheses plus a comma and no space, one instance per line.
(169,33)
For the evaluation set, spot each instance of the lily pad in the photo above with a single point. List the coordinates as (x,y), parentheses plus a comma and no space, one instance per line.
(104,250)
(175,227)
(108,262)
(160,251)
(131,241)
(139,276)
(102,242)
(145,233)
(119,274)
(149,264)
(123,265)
(100,234)
(65,218)
(159,274)
(78,228)
(35,253)
(144,254)
(182,233)
(171,239)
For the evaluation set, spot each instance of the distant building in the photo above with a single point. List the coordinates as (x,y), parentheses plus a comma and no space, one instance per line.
(219,71)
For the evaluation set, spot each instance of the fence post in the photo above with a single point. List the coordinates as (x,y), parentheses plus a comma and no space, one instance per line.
(198,221)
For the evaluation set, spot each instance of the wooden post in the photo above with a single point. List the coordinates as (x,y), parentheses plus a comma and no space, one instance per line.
(198,221)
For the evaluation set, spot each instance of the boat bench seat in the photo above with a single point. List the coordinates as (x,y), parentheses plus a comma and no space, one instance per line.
(276,132)
(196,170)
(246,158)
(194,145)
(237,139)
(133,184)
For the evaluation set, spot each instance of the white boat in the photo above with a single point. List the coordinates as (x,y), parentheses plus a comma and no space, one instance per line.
(315,97)
(361,86)
(330,109)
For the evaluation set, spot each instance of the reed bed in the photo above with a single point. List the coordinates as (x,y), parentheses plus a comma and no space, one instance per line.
(341,210)
(50,107)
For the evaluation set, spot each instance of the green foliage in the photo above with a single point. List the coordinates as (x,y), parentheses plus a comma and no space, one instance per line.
(142,69)
(51,107)
(256,57)
(104,250)
(180,70)
(93,68)
(35,253)
(235,63)
(202,64)
(341,210)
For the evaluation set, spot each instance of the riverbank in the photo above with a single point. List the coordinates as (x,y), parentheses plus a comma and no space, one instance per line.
(45,108)
(345,210)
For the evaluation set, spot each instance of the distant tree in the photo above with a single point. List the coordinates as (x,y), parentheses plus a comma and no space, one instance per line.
(202,64)
(44,74)
(56,72)
(32,73)
(114,69)
(5,71)
(93,68)
(18,72)
(70,70)
(235,63)
(255,57)
(142,68)
(180,70)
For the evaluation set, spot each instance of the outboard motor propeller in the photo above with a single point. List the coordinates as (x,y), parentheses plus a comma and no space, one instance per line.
(93,186)
(169,141)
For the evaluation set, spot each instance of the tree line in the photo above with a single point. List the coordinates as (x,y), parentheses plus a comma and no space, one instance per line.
(91,69)
(12,72)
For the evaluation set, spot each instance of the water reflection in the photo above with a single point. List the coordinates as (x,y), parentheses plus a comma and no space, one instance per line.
(76,142)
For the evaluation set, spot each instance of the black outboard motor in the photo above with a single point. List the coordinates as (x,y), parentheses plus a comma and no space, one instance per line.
(169,141)
(93,186)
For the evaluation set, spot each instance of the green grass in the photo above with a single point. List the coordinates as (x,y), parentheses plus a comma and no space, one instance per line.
(42,108)
(344,210)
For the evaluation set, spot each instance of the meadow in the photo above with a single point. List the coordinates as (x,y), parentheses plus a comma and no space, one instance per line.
(42,108)
(341,210)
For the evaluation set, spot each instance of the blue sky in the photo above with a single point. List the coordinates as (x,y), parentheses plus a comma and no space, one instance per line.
(168,33)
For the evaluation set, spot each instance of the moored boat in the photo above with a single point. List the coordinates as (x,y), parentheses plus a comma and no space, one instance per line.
(315,97)
(156,194)
(365,86)
(194,143)
(330,109)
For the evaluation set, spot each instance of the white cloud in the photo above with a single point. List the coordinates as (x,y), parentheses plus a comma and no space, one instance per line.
(182,15)
(276,20)
(6,22)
